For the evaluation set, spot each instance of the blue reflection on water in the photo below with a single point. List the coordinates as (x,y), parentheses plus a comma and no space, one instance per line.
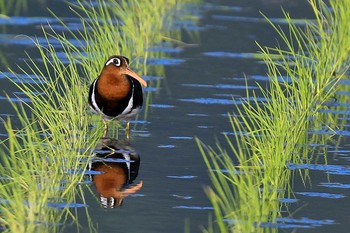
(194,207)
(182,177)
(331,132)
(223,54)
(221,86)
(19,20)
(161,106)
(181,137)
(32,41)
(288,200)
(301,22)
(323,195)
(65,205)
(335,185)
(165,61)
(209,101)
(296,223)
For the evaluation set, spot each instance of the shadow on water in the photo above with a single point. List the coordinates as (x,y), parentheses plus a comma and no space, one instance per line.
(113,170)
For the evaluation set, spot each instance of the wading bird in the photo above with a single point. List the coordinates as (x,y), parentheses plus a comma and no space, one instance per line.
(117,92)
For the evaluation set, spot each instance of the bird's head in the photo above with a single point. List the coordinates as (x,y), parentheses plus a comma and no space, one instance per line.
(120,64)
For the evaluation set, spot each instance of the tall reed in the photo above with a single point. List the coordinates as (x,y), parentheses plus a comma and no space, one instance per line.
(268,135)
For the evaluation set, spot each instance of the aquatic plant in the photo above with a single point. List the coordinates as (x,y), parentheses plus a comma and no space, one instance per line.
(251,176)
(45,156)
(12,6)
(48,148)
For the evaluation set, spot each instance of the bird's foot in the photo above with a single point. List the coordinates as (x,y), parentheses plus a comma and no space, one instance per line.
(105,131)
(127,130)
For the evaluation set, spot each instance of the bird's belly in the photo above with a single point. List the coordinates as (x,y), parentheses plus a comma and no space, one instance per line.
(120,109)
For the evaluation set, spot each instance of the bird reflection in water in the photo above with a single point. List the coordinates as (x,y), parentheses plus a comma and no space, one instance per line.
(115,167)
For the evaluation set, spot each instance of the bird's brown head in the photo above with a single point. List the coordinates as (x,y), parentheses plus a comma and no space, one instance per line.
(120,65)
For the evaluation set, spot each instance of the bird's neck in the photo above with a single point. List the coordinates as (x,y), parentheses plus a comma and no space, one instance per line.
(113,86)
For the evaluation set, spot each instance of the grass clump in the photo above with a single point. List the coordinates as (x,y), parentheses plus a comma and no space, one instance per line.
(45,155)
(268,135)
(48,149)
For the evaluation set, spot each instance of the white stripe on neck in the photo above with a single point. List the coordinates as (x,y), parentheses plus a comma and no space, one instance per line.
(93,100)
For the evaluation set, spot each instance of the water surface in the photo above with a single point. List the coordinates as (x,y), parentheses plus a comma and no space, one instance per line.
(200,89)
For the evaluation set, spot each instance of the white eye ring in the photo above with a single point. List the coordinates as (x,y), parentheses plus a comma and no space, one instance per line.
(114,61)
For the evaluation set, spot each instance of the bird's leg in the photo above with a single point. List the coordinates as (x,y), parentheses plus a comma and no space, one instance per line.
(105,131)
(127,130)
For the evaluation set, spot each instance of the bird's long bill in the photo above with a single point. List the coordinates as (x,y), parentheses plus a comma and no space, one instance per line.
(128,71)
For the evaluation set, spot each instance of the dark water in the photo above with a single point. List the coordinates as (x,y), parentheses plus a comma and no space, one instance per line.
(193,100)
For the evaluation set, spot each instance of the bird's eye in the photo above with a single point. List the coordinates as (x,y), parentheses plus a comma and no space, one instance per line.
(116,61)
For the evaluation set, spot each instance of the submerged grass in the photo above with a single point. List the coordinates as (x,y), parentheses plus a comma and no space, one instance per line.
(270,135)
(46,152)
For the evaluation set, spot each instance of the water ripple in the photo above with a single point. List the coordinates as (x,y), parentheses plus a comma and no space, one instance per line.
(23,78)
(166,146)
(182,197)
(23,21)
(194,207)
(65,205)
(288,200)
(197,115)
(181,177)
(335,185)
(323,195)
(181,137)
(209,101)
(331,132)
(301,22)
(165,61)
(329,169)
(152,78)
(15,99)
(288,223)
(239,100)
(210,6)
(283,79)
(232,55)
(165,49)
(32,41)
(161,106)
(221,86)
(334,111)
